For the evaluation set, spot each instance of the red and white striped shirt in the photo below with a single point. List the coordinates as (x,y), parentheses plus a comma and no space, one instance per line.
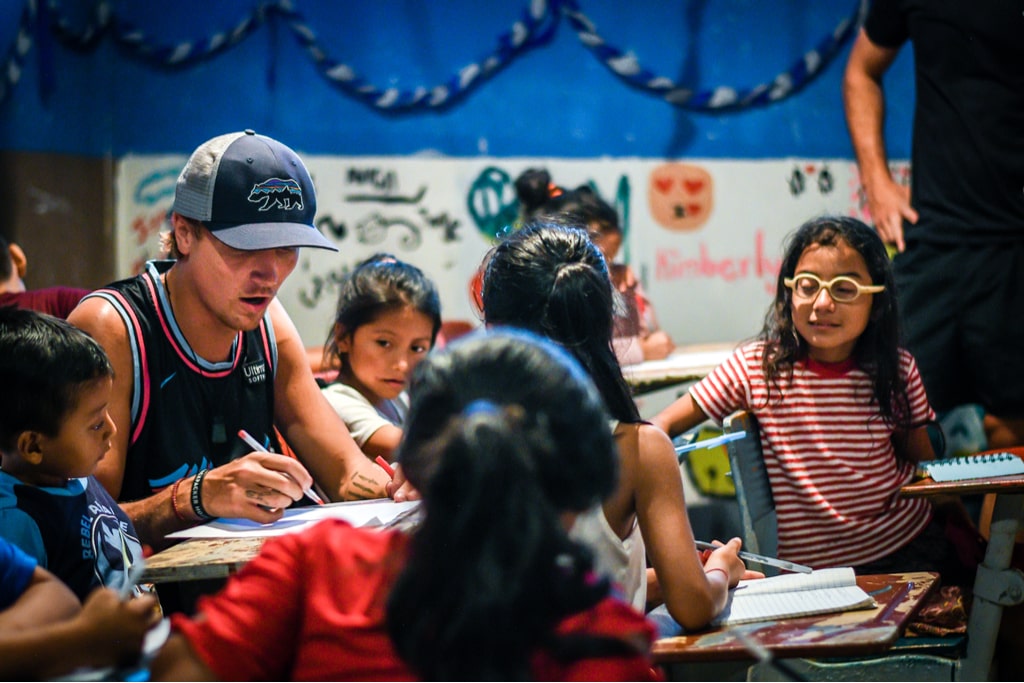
(828,453)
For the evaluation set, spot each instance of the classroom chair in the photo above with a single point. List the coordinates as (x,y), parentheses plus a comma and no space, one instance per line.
(753,492)
(910,659)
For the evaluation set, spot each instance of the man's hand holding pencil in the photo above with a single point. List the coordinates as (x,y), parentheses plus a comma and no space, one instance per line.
(257,487)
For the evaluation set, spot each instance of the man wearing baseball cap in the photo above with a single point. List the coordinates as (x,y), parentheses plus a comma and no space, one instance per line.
(202,349)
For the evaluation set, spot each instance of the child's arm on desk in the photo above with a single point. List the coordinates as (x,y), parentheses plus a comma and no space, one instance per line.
(680,415)
(657,345)
(106,631)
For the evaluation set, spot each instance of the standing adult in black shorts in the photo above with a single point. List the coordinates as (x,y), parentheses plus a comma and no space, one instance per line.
(959,228)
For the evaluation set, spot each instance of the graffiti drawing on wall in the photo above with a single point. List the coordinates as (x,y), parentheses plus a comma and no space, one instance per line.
(672,264)
(153,194)
(704,239)
(809,175)
(377,212)
(681,196)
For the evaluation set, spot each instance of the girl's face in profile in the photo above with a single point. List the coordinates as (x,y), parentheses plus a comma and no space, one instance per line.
(608,241)
(382,353)
(831,328)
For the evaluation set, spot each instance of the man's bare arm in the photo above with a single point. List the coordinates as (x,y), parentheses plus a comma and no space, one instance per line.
(311,426)
(864,102)
(225,491)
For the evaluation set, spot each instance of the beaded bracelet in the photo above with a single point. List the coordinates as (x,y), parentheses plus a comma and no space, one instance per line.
(197,497)
(174,500)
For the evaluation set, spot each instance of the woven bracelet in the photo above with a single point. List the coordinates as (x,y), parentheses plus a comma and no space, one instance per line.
(174,500)
(719,569)
(197,497)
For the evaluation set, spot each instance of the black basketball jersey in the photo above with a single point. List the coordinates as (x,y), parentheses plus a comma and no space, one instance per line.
(186,411)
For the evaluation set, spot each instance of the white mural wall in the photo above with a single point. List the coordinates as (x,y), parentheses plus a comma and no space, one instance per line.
(705,237)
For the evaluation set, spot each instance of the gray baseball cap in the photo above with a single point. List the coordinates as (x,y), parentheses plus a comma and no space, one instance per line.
(251,192)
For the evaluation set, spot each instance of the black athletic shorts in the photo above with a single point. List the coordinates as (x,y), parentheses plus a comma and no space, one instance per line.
(962,309)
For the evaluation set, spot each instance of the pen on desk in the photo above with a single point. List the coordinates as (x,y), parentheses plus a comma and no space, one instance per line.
(257,446)
(386,466)
(131,578)
(710,443)
(763,559)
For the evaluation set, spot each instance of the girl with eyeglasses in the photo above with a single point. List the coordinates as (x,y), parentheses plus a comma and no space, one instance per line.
(841,408)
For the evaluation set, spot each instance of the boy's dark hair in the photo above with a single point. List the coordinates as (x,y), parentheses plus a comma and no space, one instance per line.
(44,361)
(877,349)
(379,284)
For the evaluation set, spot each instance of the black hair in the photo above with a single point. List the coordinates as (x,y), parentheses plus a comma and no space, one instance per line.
(877,348)
(44,361)
(539,197)
(379,284)
(6,262)
(550,278)
(505,431)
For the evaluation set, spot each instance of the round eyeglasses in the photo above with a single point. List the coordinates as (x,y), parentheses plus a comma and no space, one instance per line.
(842,289)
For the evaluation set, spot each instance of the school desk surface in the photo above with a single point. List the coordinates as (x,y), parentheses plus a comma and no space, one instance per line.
(996,584)
(684,364)
(841,634)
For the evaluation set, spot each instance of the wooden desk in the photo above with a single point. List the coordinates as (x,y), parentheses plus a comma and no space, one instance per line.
(854,633)
(218,557)
(685,364)
(201,558)
(995,584)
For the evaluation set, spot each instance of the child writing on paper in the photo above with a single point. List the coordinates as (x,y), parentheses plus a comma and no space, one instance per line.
(550,278)
(841,408)
(386,321)
(46,632)
(506,441)
(54,429)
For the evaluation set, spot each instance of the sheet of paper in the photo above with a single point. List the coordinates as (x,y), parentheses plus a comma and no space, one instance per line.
(678,364)
(833,577)
(368,513)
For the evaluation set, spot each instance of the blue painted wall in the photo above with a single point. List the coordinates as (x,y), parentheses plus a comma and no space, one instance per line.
(554,99)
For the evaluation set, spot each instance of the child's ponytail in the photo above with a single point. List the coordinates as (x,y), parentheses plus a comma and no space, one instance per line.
(490,553)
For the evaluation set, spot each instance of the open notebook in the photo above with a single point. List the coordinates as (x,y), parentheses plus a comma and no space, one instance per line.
(823,591)
(794,595)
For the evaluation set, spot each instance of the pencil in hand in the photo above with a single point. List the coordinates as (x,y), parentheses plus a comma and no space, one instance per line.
(257,446)
(762,559)
(386,466)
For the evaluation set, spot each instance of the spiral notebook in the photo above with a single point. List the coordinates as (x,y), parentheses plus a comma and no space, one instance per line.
(974,467)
